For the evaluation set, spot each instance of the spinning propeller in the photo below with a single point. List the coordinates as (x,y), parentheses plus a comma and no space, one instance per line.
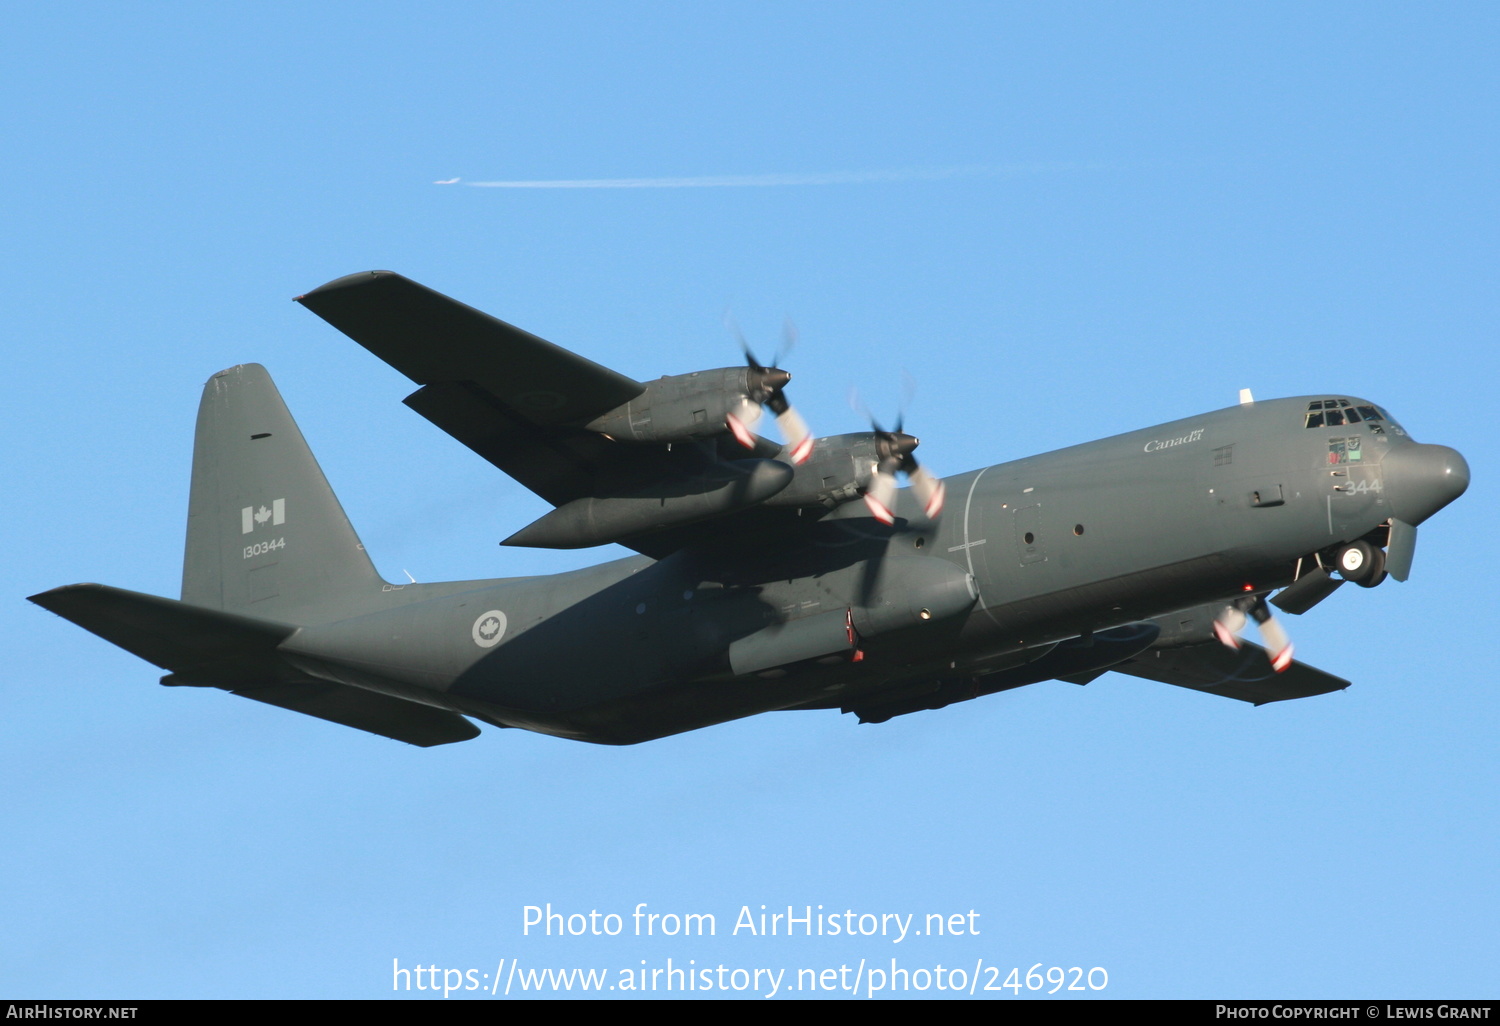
(764,388)
(894,455)
(1231,621)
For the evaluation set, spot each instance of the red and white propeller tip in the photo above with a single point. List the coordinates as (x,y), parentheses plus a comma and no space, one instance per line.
(880,496)
(740,429)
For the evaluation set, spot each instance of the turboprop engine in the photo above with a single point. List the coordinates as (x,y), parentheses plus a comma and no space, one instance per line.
(598,520)
(685,407)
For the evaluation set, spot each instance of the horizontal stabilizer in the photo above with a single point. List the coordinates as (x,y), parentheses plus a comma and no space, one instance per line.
(173,635)
(238,654)
(433,339)
(1245,674)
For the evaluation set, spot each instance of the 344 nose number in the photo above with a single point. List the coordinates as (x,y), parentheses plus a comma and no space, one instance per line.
(261,548)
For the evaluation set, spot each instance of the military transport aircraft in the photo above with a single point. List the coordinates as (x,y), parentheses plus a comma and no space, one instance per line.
(769,576)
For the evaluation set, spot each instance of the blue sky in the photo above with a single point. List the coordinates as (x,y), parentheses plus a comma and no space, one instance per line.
(1163,204)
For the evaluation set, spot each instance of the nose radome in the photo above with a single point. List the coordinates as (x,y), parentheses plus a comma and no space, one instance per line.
(1422,479)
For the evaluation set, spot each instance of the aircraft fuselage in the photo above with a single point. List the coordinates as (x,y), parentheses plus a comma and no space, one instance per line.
(1051,547)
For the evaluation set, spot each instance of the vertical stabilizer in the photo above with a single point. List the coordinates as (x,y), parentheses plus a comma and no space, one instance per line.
(266,537)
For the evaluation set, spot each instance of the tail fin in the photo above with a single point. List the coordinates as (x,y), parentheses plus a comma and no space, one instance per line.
(266,537)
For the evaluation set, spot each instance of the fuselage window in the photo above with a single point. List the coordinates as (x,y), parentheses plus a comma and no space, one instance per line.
(1344,450)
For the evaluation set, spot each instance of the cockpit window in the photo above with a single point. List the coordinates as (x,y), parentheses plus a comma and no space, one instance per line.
(1391,420)
(1336,412)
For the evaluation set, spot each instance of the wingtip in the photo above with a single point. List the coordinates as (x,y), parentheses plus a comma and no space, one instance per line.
(52,598)
(347,281)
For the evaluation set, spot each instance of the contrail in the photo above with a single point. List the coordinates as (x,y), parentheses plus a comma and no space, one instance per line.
(752,181)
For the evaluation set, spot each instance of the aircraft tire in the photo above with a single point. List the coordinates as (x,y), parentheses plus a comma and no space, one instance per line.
(1361,563)
(1376,571)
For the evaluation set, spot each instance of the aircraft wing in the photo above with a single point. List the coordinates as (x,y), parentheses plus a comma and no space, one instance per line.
(518,400)
(511,397)
(559,463)
(1245,675)
(435,340)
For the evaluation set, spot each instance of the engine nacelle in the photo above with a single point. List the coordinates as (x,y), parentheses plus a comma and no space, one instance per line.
(682,407)
(839,470)
(726,487)
(915,590)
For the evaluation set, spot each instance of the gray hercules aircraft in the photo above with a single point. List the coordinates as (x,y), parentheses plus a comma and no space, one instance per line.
(769,577)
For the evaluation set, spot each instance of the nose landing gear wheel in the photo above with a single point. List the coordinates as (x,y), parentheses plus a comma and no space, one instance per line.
(1361,563)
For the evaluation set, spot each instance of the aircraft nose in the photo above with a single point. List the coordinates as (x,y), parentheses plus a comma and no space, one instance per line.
(1422,479)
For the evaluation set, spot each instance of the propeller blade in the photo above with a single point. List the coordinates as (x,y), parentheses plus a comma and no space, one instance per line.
(733,327)
(858,406)
(741,421)
(789,338)
(880,496)
(765,383)
(895,450)
(1278,645)
(908,393)
(747,411)
(928,490)
(740,430)
(1227,627)
(799,439)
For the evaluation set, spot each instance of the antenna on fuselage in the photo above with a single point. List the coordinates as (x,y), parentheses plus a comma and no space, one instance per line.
(1245,397)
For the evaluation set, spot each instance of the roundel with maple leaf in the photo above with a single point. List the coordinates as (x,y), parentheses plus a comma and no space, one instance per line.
(489,629)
